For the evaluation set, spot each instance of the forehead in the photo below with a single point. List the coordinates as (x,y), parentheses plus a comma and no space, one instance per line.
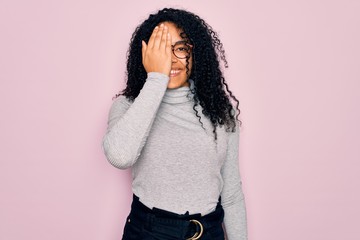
(174,32)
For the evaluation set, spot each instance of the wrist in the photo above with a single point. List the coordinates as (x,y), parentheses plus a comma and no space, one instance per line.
(157,75)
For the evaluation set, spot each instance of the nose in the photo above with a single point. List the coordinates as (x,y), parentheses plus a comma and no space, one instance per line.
(174,59)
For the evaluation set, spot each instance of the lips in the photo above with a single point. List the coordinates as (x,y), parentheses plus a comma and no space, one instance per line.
(174,72)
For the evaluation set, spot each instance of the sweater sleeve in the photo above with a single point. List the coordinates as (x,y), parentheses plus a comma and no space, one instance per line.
(232,196)
(129,123)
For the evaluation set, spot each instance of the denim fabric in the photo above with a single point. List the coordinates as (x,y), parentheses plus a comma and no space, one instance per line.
(157,224)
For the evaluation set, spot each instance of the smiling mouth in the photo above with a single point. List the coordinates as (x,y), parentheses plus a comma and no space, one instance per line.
(174,72)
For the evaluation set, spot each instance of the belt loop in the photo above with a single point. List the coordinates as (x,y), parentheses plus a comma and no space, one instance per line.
(149,222)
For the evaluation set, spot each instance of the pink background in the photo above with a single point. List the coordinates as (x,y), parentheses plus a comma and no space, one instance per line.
(294,65)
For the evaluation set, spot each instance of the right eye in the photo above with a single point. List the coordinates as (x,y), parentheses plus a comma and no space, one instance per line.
(182,48)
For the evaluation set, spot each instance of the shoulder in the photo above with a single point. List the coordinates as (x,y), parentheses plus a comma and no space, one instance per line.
(122,100)
(121,103)
(233,134)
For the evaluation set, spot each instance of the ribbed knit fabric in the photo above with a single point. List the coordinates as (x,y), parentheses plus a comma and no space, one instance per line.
(176,164)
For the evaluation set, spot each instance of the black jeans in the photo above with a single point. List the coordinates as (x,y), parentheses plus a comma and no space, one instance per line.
(144,223)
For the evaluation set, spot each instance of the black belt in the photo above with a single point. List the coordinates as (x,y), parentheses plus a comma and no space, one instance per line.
(180,226)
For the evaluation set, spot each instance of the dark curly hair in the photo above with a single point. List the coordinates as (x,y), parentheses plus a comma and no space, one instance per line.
(210,89)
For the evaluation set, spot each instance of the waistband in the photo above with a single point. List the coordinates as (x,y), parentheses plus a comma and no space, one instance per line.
(185,224)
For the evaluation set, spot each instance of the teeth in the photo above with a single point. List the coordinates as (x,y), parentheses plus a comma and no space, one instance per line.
(174,71)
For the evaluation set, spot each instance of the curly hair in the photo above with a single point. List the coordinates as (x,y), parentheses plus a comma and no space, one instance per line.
(210,88)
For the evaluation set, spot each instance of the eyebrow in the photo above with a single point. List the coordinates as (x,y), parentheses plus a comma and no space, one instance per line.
(181,41)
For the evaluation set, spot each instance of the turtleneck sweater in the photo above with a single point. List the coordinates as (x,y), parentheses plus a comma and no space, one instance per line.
(176,164)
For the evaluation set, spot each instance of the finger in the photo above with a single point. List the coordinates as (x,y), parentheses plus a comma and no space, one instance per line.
(143,49)
(163,39)
(168,48)
(152,37)
(158,37)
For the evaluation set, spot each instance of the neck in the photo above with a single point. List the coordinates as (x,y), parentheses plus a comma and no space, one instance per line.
(179,95)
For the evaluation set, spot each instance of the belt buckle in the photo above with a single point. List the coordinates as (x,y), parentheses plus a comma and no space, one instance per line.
(197,235)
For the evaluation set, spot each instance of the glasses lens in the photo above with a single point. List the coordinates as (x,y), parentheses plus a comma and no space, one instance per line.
(181,50)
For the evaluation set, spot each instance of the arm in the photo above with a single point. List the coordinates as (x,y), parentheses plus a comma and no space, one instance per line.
(232,196)
(129,124)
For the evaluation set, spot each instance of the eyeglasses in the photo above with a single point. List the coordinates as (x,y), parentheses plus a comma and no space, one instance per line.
(182,49)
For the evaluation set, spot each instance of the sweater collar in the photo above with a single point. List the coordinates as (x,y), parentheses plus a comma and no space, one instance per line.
(179,95)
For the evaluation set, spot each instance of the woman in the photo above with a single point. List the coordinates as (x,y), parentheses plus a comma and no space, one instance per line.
(175,126)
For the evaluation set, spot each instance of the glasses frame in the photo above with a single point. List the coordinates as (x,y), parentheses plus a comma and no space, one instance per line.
(187,44)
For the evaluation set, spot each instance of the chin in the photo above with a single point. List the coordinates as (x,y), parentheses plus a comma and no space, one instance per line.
(174,83)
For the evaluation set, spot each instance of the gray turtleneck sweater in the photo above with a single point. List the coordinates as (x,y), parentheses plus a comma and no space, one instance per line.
(176,164)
